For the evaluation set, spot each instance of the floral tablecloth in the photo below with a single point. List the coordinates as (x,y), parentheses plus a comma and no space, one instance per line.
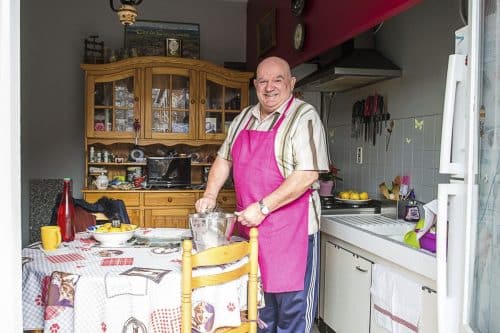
(82,287)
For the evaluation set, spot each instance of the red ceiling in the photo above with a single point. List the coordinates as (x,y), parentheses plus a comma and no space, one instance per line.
(328,24)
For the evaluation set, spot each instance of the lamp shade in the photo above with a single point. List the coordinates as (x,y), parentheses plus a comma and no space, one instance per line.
(127,14)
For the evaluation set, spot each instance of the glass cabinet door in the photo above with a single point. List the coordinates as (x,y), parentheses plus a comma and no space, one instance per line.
(222,103)
(113,107)
(169,104)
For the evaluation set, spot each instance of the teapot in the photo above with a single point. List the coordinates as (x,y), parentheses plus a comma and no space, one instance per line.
(101,182)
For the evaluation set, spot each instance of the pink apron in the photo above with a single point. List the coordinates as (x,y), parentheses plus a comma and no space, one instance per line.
(283,235)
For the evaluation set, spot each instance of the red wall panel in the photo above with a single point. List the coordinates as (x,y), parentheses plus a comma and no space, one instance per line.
(328,24)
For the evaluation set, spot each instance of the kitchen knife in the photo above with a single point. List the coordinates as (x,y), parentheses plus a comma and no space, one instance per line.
(353,119)
(382,113)
(375,118)
(366,114)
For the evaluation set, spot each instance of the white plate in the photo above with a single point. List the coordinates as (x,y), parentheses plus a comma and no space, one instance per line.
(174,234)
(353,202)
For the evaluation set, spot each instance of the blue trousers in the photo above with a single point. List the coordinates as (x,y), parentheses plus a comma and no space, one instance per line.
(294,312)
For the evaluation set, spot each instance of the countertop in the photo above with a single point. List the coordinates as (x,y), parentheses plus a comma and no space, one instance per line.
(419,261)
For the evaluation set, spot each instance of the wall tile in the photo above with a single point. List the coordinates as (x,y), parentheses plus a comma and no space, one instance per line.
(439,126)
(429,134)
(429,177)
(425,194)
(418,157)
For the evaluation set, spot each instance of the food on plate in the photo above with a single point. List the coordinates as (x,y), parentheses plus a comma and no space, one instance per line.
(106,227)
(344,195)
(354,196)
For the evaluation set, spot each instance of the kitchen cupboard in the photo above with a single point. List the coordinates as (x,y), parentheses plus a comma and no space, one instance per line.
(343,294)
(162,98)
(347,290)
(161,208)
(152,104)
(428,322)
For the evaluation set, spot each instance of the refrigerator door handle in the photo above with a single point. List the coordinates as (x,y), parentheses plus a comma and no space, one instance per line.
(456,73)
(447,303)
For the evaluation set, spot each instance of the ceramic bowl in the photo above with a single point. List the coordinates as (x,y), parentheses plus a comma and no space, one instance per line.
(115,238)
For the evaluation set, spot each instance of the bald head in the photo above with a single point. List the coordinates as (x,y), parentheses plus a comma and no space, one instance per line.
(274,83)
(274,62)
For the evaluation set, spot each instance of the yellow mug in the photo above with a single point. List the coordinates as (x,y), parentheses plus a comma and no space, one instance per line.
(51,237)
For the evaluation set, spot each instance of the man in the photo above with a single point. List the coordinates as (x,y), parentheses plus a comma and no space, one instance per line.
(276,150)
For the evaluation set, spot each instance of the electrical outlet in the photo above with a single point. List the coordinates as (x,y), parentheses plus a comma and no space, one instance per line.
(359,155)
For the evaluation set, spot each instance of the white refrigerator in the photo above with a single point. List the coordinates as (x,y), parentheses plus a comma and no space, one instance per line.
(468,221)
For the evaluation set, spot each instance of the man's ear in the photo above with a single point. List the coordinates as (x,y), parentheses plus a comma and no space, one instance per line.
(293,79)
(255,83)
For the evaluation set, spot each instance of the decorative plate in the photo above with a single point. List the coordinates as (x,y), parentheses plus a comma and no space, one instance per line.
(298,7)
(136,154)
(353,202)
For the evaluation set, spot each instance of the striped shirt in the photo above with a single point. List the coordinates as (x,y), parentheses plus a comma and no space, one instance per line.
(300,143)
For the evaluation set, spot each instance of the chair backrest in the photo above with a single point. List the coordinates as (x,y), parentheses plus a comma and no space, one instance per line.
(217,256)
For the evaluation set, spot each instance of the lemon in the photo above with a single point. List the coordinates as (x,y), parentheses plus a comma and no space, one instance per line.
(363,195)
(114,229)
(344,195)
(354,196)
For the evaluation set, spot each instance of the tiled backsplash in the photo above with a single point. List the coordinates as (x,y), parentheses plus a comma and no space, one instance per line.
(413,150)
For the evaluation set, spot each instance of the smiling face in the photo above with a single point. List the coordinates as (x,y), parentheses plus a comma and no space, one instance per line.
(273,84)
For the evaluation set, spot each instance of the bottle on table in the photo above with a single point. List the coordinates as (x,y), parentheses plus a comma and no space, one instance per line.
(116,222)
(66,213)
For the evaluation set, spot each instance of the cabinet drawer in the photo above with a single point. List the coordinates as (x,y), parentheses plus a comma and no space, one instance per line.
(135,216)
(130,199)
(226,199)
(167,218)
(169,199)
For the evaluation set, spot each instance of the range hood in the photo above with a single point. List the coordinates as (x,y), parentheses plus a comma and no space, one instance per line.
(355,68)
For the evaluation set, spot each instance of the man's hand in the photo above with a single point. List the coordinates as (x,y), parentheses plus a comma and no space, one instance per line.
(205,204)
(251,216)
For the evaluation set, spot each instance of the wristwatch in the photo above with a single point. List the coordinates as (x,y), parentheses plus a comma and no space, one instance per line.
(263,208)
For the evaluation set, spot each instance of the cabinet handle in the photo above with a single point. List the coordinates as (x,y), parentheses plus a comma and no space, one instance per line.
(202,101)
(361,269)
(429,290)
(169,199)
(136,99)
(193,101)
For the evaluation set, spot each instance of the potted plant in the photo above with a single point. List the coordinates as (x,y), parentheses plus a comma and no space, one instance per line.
(327,181)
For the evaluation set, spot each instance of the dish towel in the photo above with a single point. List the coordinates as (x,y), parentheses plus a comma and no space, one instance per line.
(396,300)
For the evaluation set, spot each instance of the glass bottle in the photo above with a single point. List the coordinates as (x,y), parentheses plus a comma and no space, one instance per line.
(66,213)
(116,222)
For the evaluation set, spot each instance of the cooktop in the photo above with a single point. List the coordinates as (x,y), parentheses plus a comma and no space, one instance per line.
(331,206)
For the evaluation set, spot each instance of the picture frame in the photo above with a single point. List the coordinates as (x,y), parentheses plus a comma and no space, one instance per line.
(210,125)
(149,37)
(173,47)
(154,274)
(266,33)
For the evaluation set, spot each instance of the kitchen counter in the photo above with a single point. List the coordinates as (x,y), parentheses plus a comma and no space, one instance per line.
(388,247)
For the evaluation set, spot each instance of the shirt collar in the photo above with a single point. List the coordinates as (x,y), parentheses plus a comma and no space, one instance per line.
(280,109)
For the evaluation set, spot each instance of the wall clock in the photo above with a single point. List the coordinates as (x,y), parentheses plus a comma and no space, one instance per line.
(173,47)
(299,35)
(298,7)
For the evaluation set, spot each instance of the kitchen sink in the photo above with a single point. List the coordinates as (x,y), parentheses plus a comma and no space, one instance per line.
(378,224)
(397,238)
(383,237)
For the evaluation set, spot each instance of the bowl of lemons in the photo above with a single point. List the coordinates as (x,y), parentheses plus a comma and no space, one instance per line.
(109,236)
(353,197)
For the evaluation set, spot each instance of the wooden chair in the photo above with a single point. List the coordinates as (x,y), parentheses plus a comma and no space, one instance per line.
(217,256)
